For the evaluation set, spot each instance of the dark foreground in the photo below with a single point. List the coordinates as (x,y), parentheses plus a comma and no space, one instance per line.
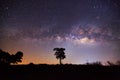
(56,72)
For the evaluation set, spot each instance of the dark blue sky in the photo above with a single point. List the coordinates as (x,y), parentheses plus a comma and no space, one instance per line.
(88,29)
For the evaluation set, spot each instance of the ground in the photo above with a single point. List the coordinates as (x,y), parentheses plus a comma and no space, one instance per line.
(59,72)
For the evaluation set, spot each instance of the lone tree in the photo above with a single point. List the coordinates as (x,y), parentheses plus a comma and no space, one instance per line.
(60,54)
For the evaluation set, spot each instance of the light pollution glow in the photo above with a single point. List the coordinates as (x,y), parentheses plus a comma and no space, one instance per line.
(78,51)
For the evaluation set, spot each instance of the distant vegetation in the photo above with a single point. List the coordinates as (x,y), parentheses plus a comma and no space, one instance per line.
(7,58)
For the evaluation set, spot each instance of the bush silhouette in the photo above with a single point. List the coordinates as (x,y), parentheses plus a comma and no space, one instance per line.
(6,58)
(60,54)
(16,58)
(118,63)
(110,63)
(97,63)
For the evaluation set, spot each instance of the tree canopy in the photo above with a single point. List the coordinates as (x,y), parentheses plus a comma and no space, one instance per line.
(60,54)
(7,58)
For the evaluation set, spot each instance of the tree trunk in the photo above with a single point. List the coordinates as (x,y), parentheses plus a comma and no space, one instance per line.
(60,61)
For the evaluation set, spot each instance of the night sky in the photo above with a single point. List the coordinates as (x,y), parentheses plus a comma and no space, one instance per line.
(88,29)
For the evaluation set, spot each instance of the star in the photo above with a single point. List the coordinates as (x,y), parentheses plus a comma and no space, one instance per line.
(97,17)
(6,7)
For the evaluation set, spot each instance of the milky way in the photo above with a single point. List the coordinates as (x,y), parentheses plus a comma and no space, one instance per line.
(88,29)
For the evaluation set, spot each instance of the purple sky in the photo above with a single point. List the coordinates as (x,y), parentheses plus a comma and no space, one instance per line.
(88,29)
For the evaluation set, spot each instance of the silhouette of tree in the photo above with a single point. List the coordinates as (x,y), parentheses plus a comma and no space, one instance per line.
(16,58)
(110,63)
(6,58)
(118,63)
(60,54)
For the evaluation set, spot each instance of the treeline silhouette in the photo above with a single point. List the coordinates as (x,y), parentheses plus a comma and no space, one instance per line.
(31,71)
(7,58)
